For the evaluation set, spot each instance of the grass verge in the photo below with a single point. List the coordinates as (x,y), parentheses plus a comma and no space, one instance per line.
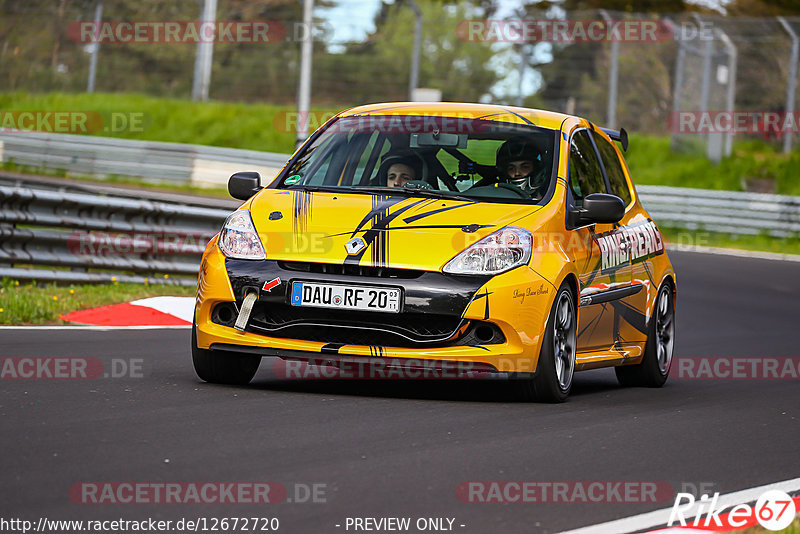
(212,192)
(678,237)
(753,164)
(38,303)
(262,127)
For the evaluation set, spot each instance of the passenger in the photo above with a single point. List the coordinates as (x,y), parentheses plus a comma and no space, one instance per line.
(520,163)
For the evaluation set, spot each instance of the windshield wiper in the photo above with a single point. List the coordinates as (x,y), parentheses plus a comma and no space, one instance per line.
(431,193)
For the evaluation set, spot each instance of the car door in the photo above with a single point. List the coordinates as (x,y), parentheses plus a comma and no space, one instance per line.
(630,309)
(603,263)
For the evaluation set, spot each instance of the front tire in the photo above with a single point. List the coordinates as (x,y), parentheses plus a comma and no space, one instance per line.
(553,379)
(223,367)
(654,368)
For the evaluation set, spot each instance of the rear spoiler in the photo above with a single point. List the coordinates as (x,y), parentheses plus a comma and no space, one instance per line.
(618,135)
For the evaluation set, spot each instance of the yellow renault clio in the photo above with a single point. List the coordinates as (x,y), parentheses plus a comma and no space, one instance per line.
(498,239)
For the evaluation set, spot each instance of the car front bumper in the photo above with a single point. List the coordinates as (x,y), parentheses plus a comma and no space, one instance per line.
(516,303)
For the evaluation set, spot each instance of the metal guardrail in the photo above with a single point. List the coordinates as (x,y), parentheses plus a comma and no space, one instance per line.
(64,230)
(730,212)
(693,209)
(54,235)
(149,160)
(60,236)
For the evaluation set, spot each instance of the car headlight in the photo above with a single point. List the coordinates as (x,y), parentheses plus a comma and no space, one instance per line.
(496,253)
(238,238)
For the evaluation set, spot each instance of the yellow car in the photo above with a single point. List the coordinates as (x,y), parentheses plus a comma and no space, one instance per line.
(481,238)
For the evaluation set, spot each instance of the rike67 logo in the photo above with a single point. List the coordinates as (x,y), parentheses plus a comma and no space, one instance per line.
(774,510)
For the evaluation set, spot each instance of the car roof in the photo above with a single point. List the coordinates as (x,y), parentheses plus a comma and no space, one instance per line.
(493,112)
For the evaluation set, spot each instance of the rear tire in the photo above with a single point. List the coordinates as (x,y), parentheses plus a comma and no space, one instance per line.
(654,368)
(553,379)
(223,367)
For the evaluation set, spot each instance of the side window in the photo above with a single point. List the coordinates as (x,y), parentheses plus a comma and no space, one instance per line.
(616,178)
(585,176)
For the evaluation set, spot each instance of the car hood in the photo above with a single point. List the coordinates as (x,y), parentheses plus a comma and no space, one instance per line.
(397,231)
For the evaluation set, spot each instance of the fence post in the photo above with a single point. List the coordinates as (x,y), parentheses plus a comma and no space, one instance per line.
(304,87)
(708,51)
(413,77)
(677,90)
(521,74)
(613,77)
(791,84)
(733,59)
(98,16)
(205,54)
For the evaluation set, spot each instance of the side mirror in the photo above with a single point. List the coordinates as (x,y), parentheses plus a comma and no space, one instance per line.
(598,208)
(243,185)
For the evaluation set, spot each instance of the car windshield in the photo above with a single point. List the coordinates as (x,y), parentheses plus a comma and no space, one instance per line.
(443,157)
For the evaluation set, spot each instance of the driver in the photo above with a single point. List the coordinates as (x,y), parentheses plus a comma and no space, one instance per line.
(397,170)
(399,174)
(520,163)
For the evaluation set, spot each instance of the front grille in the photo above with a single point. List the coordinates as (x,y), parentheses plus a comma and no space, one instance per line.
(351,270)
(318,324)
(348,327)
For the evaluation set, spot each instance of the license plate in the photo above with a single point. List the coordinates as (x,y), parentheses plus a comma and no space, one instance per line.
(346,297)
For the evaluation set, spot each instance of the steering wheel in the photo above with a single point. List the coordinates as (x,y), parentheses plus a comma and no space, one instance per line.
(417,184)
(511,187)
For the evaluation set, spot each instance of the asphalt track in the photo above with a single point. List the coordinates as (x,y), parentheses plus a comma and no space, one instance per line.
(399,448)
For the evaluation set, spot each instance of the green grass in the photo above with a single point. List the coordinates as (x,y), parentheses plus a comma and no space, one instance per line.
(249,126)
(763,243)
(651,162)
(37,303)
(264,127)
(259,127)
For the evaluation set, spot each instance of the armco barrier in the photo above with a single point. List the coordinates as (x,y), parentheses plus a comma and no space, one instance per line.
(730,212)
(163,162)
(41,222)
(60,236)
